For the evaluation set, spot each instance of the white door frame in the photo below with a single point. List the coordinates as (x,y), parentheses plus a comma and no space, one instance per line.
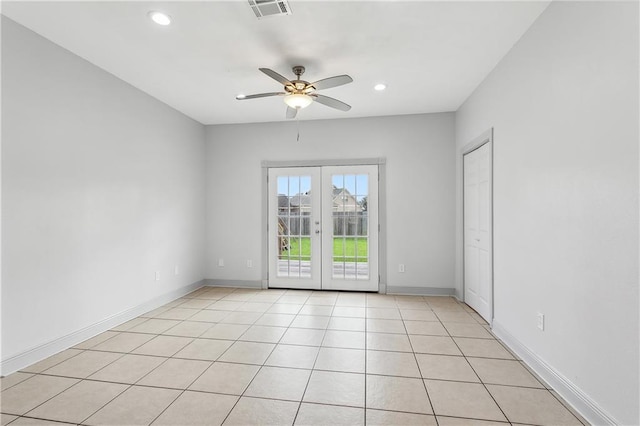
(382,211)
(485,138)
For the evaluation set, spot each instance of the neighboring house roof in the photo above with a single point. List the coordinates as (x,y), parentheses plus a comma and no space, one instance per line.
(342,194)
(300,200)
(283,201)
(303,200)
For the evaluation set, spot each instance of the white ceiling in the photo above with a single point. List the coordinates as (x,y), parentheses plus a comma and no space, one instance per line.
(431,55)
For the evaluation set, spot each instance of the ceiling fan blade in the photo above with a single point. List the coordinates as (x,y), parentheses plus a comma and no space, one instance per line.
(327,83)
(261,95)
(291,112)
(330,102)
(277,77)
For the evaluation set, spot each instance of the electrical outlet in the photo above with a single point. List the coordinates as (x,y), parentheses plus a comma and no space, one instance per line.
(176,271)
(401,267)
(157,275)
(541,321)
(221,263)
(249,263)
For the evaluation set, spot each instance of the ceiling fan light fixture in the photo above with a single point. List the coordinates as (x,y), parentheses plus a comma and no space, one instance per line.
(160,18)
(298,100)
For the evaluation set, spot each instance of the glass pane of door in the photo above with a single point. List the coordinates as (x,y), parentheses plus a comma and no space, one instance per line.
(350,239)
(294,226)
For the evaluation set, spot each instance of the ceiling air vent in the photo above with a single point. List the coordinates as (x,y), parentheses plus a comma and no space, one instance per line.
(263,8)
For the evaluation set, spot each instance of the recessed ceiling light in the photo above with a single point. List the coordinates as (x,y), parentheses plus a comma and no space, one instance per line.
(160,18)
(380,87)
(241,96)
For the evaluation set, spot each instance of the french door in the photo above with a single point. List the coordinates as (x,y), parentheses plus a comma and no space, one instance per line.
(478,234)
(323,227)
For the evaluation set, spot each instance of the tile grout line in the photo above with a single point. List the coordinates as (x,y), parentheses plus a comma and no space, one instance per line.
(542,390)
(99,343)
(287,368)
(133,384)
(324,334)
(544,384)
(182,390)
(38,418)
(520,362)
(240,396)
(15,384)
(481,382)
(190,384)
(38,372)
(420,372)
(565,405)
(257,372)
(44,402)
(80,379)
(366,352)
(105,404)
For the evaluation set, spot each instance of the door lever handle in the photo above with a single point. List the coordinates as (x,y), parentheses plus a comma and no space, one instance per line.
(317,231)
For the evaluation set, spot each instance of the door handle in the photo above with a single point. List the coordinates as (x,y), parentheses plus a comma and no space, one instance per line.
(317,231)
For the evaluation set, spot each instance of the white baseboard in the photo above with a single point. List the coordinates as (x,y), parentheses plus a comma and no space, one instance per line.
(571,393)
(40,352)
(420,291)
(233,283)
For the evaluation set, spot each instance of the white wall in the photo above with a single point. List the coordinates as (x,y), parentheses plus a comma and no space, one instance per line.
(420,183)
(102,185)
(564,108)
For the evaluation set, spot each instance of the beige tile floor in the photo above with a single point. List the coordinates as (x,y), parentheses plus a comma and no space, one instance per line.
(241,357)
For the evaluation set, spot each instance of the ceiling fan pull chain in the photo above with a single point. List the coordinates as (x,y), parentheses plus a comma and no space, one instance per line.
(298,125)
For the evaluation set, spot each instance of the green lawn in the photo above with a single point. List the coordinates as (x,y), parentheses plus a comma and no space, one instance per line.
(343,249)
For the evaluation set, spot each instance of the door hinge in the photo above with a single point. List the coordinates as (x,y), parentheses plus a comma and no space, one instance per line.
(378,227)
(378,279)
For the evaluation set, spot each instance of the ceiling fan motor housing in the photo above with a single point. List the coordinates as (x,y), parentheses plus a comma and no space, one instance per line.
(298,85)
(298,70)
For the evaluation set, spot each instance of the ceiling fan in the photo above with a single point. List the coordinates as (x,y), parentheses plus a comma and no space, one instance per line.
(299,94)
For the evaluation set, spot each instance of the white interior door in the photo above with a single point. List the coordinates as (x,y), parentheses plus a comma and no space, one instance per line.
(323,228)
(478,233)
